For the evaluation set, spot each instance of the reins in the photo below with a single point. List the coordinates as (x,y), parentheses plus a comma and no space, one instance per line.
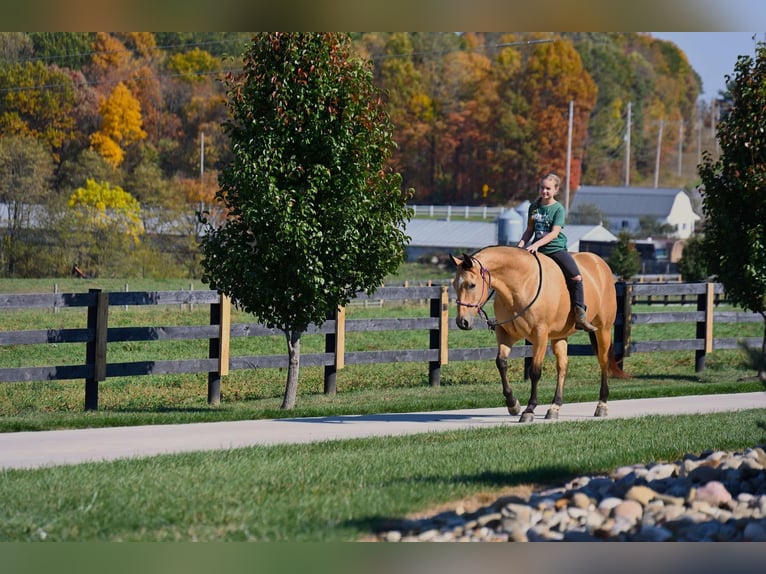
(486,283)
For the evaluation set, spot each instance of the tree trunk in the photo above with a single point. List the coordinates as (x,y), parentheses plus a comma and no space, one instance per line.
(762,362)
(294,355)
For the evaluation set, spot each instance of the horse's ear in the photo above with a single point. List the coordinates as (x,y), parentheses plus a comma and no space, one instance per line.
(467,261)
(457,262)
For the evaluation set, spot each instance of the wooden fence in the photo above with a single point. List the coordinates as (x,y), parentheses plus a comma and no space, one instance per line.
(219,332)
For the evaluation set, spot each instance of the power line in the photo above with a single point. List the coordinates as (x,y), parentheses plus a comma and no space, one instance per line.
(476,49)
(126,50)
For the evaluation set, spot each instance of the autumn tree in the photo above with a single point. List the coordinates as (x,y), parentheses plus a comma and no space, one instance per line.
(468,110)
(733,199)
(102,227)
(29,107)
(121,125)
(26,169)
(313,214)
(412,113)
(552,78)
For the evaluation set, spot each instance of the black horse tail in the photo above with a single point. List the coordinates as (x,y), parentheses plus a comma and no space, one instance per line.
(614,368)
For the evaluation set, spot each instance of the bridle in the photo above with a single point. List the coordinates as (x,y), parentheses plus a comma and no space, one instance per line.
(486,286)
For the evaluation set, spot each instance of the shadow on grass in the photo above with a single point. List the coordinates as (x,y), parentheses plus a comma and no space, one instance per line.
(540,479)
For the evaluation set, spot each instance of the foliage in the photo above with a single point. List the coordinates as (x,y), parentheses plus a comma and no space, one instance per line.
(313,214)
(191,65)
(650,227)
(733,200)
(101,227)
(62,48)
(588,214)
(693,263)
(475,116)
(101,206)
(26,169)
(624,261)
(121,125)
(30,108)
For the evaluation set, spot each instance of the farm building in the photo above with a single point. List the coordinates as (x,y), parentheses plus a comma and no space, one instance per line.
(625,207)
(437,237)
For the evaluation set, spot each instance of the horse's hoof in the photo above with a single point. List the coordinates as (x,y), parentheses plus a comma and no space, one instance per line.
(527,417)
(552,415)
(601,411)
(515,408)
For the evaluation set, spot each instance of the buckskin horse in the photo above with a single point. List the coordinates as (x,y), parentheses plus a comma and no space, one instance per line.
(531,302)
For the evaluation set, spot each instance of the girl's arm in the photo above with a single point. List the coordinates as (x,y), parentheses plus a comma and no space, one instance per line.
(545,239)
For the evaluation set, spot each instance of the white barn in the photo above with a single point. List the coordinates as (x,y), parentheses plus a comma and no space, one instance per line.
(624,207)
(436,237)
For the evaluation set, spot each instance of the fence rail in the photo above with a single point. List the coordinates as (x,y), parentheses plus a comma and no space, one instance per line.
(219,332)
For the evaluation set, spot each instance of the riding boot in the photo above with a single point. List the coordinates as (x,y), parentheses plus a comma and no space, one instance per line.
(578,302)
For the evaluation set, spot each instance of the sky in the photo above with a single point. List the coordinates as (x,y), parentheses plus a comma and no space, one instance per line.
(713,54)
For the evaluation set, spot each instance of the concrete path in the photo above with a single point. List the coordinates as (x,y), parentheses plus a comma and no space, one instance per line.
(47,448)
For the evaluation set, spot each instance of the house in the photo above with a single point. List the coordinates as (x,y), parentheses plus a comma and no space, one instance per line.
(432,237)
(625,207)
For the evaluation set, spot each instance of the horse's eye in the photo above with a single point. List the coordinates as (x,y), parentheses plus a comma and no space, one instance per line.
(472,285)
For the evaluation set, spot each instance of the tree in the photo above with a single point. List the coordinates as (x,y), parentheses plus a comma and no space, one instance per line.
(733,200)
(313,215)
(102,226)
(121,113)
(26,169)
(29,107)
(624,261)
(693,265)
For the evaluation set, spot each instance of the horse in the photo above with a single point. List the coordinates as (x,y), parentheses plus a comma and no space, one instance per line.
(532,302)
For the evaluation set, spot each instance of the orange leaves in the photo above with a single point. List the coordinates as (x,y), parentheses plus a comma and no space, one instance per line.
(121,126)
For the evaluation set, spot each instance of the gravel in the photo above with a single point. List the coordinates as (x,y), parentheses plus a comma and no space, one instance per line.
(713,496)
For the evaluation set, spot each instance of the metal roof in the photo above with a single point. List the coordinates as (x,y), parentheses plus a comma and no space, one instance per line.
(445,234)
(627,201)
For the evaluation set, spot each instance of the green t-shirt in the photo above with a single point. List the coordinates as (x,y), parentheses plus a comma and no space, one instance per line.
(544,218)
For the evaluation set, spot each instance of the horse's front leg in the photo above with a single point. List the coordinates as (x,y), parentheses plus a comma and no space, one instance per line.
(559,347)
(535,373)
(504,344)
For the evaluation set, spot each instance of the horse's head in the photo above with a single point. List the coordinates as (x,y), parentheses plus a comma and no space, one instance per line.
(472,289)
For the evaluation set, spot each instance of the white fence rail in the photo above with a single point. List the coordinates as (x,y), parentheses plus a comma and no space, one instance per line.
(457,211)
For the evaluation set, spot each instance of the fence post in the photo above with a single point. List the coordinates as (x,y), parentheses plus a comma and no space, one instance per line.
(439,337)
(527,359)
(95,350)
(625,308)
(705,327)
(218,347)
(335,342)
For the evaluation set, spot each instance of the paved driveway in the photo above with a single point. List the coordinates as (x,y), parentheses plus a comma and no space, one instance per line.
(45,448)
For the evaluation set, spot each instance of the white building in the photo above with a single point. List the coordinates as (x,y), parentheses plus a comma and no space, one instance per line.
(624,207)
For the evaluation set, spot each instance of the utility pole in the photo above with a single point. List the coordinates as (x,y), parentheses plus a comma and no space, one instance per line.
(569,157)
(699,137)
(680,145)
(659,151)
(627,149)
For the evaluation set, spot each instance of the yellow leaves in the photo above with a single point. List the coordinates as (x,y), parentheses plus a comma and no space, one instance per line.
(192,66)
(98,206)
(122,125)
(107,148)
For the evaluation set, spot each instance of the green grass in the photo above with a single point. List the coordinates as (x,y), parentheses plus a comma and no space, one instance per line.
(361,388)
(337,490)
